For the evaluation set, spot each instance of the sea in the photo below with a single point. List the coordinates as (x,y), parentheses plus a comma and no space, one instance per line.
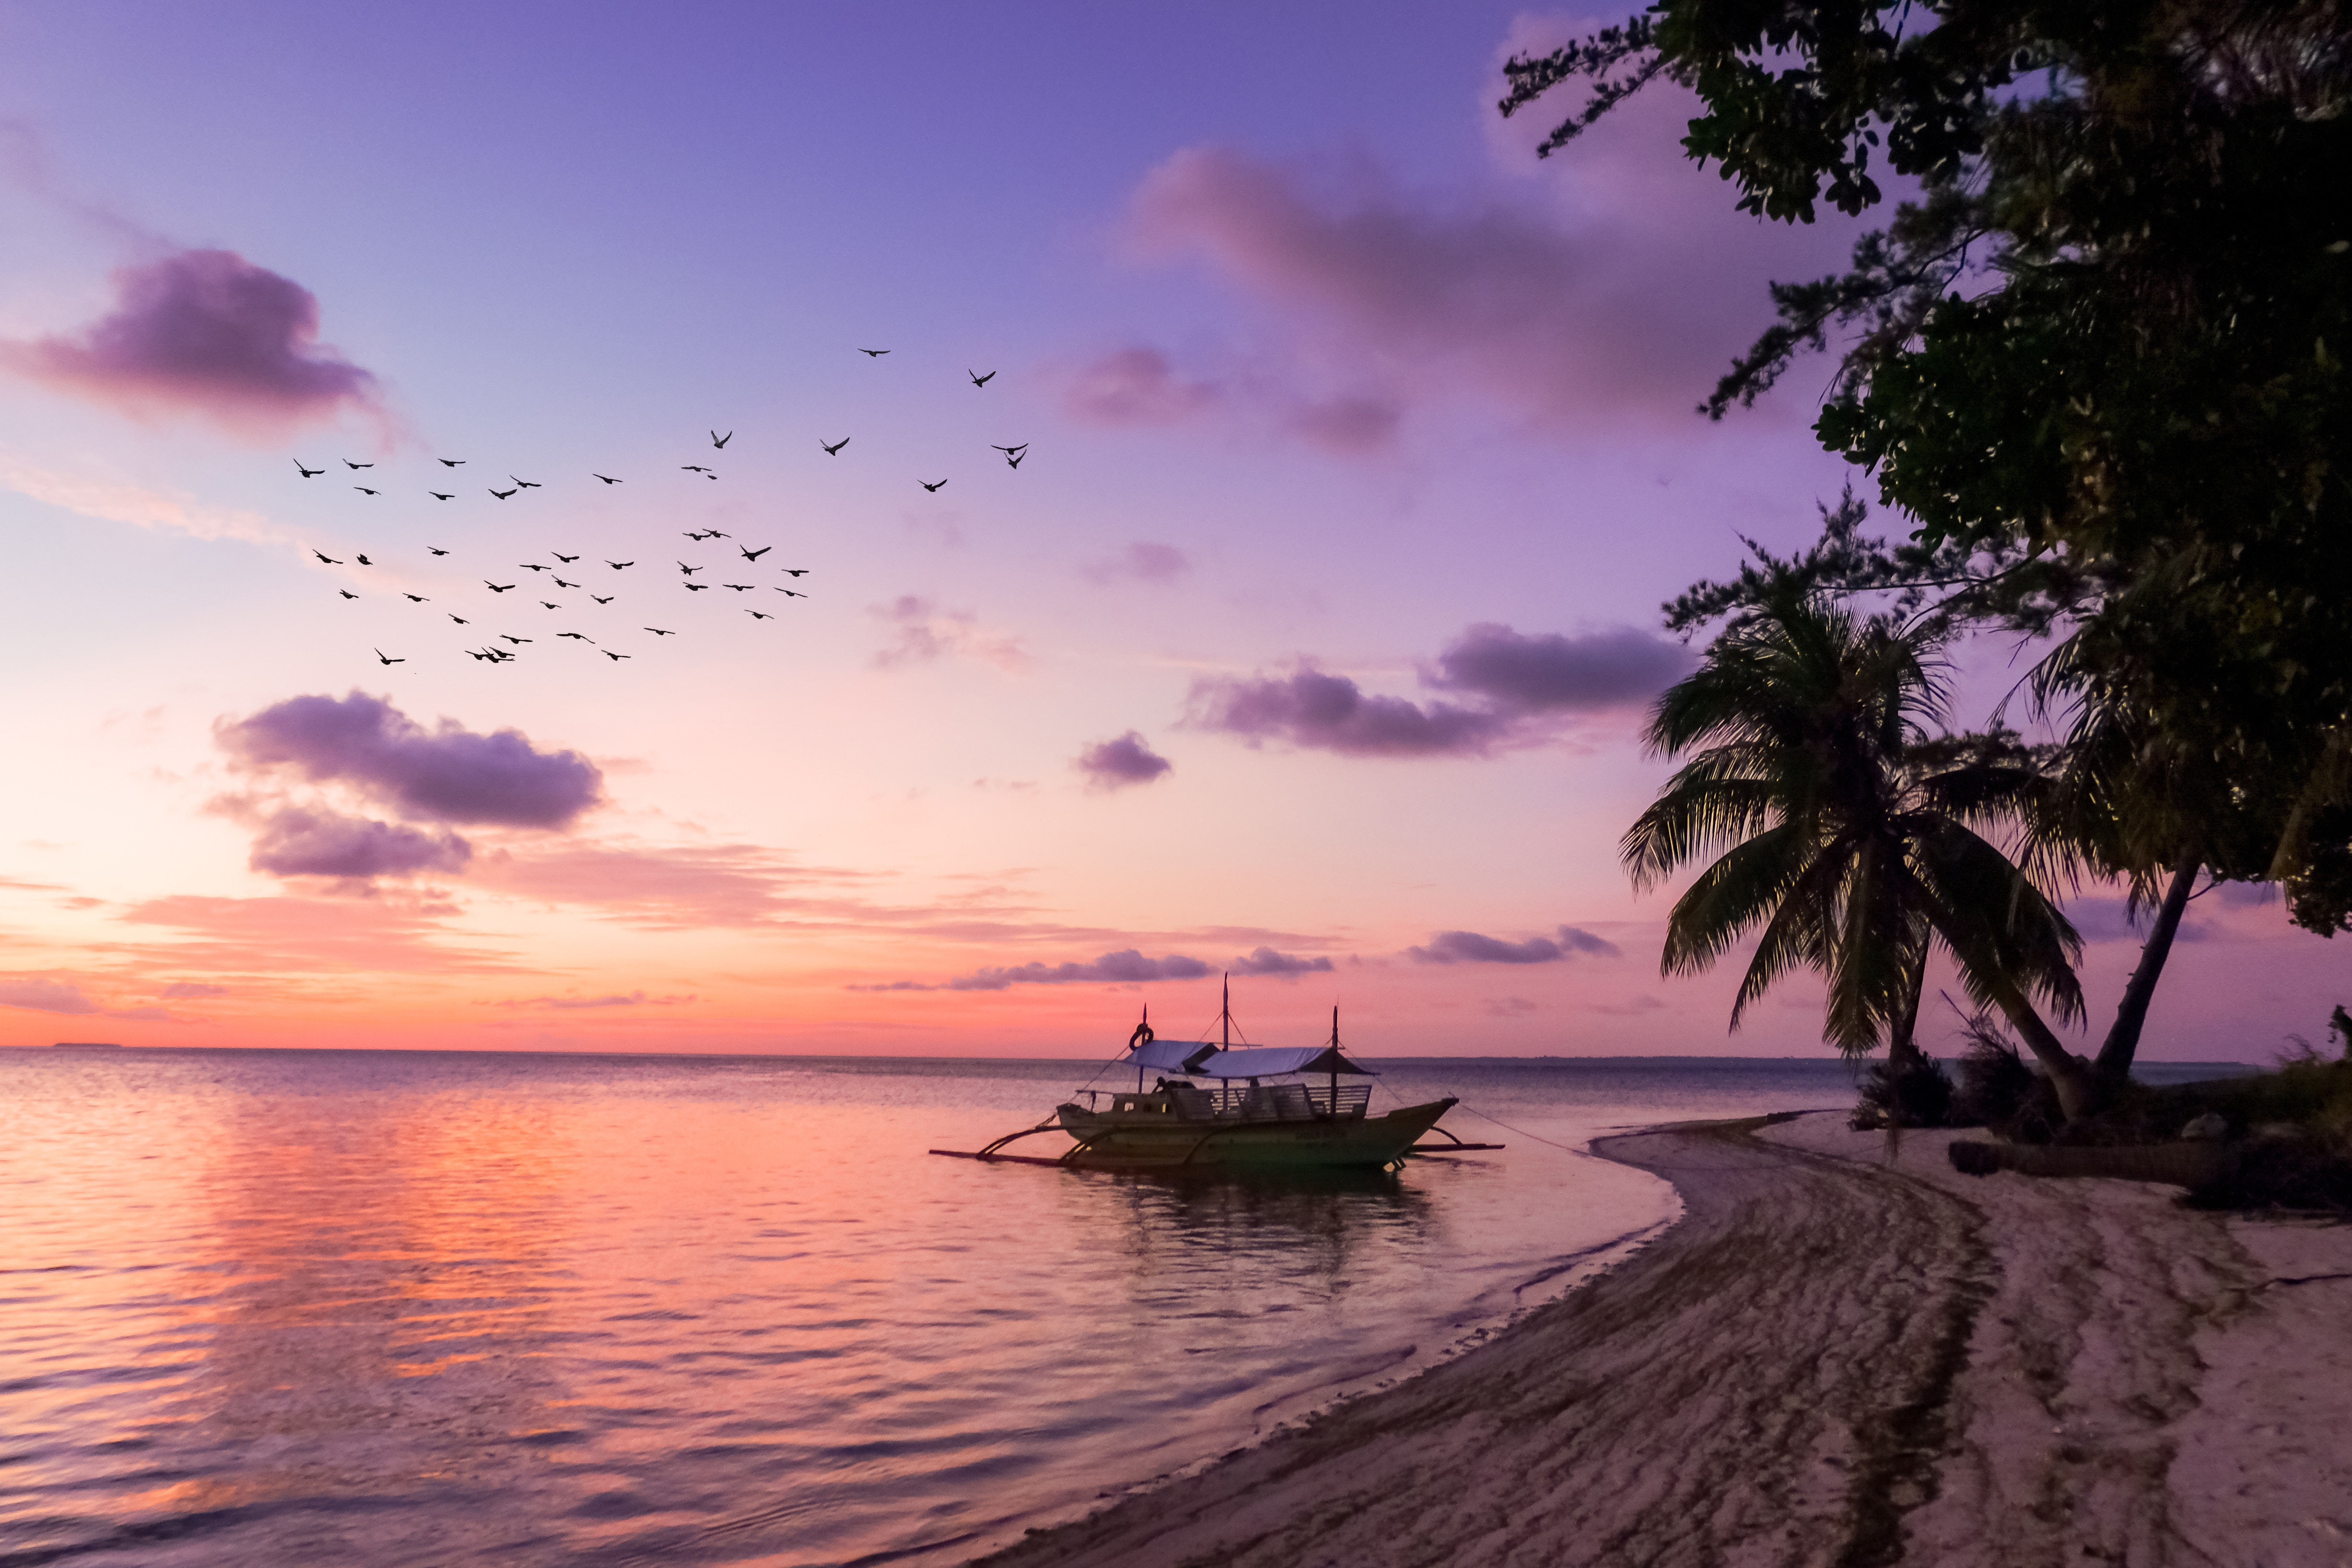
(379,1308)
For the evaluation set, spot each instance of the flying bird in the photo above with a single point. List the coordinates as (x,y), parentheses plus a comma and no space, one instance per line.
(720,441)
(694,468)
(441,495)
(347,594)
(415,598)
(758,617)
(495,587)
(381,659)
(545,606)
(978,380)
(306,473)
(451,462)
(1013,461)
(696,587)
(620,565)
(535,566)
(602,598)
(578,636)
(492,657)
(606,478)
(753,555)
(616,658)
(716,534)
(327,558)
(436,550)
(690,570)
(740,588)
(789,595)
(503,637)
(362,559)
(660,632)
(349,464)
(798,571)
(1008,451)
(526,484)
(834,450)
(929,486)
(501,494)
(876,353)
(562,584)
(366,491)
(460,620)
(567,560)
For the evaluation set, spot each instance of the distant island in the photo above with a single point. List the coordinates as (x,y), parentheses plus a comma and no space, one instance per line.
(85,1046)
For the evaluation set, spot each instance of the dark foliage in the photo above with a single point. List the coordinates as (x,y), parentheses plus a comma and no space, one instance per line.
(1995,1083)
(1917,1092)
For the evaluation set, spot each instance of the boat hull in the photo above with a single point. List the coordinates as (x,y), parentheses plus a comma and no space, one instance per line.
(1112,1143)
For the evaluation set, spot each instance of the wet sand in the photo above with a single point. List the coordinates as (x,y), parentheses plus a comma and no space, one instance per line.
(1833,1358)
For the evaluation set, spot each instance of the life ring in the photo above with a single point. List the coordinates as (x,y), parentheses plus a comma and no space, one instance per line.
(1141,1037)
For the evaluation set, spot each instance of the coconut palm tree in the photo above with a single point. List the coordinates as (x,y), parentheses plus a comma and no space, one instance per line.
(1835,829)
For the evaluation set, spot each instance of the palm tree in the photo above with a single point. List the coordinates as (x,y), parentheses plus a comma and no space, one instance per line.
(1845,837)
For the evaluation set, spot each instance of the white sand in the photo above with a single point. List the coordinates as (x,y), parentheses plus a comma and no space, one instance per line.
(1831,1360)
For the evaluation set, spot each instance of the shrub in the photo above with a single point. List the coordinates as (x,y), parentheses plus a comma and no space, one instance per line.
(1916,1094)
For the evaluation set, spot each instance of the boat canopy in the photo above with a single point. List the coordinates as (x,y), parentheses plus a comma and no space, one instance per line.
(1206,1059)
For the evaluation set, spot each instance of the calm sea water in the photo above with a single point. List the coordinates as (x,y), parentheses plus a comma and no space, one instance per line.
(392,1308)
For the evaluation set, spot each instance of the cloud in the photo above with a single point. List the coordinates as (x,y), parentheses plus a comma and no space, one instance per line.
(1133,386)
(1143,561)
(688,888)
(205,332)
(114,501)
(578,1004)
(1510,1006)
(1116,764)
(302,936)
(299,843)
(2112,920)
(447,774)
(1471,947)
(1327,712)
(192,991)
(1128,967)
(1282,966)
(924,632)
(43,995)
(1551,673)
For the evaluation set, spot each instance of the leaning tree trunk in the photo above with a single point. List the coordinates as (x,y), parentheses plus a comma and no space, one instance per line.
(2081,1091)
(2123,1037)
(1902,1031)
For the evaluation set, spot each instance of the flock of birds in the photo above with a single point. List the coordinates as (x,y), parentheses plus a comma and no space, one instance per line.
(551,577)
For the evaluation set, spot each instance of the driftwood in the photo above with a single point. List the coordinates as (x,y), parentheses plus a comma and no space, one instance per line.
(2190,1163)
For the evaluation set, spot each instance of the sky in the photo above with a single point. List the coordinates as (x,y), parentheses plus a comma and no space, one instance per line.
(1309,640)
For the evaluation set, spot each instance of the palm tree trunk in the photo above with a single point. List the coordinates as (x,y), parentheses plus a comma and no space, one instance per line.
(2123,1037)
(1902,1044)
(2080,1091)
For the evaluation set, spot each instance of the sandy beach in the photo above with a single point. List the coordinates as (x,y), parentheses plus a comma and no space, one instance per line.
(1833,1358)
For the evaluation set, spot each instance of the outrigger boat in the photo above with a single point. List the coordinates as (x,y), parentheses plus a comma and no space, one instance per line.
(1260,1109)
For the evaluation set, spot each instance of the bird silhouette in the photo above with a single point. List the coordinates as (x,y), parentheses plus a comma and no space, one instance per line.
(545,606)
(790,595)
(441,495)
(1013,460)
(381,659)
(716,534)
(362,559)
(501,494)
(876,353)
(366,491)
(690,570)
(526,484)
(460,620)
(660,632)
(606,478)
(562,584)
(720,441)
(417,598)
(490,656)
(436,550)
(929,486)
(1008,451)
(758,617)
(620,565)
(834,450)
(306,473)
(979,379)
(602,598)
(577,637)
(798,571)
(740,588)
(696,587)
(495,587)
(567,560)
(694,468)
(616,658)
(327,558)
(753,555)
(347,594)
(535,566)
(349,464)
(503,637)
(451,462)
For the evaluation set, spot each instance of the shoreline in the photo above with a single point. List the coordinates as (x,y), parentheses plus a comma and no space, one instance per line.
(1830,1358)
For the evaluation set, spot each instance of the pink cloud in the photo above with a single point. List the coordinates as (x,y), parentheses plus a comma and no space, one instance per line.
(924,632)
(205,332)
(286,935)
(40,993)
(590,1003)
(1136,386)
(1547,672)
(299,843)
(1319,711)
(1143,561)
(1116,764)
(1473,947)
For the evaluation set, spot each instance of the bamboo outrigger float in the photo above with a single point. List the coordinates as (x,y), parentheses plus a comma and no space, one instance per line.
(1240,1121)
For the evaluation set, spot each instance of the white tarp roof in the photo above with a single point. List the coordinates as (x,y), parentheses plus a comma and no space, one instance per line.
(1208,1060)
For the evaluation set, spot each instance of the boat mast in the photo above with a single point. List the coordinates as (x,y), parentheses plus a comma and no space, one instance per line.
(1335,1062)
(1225,1016)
